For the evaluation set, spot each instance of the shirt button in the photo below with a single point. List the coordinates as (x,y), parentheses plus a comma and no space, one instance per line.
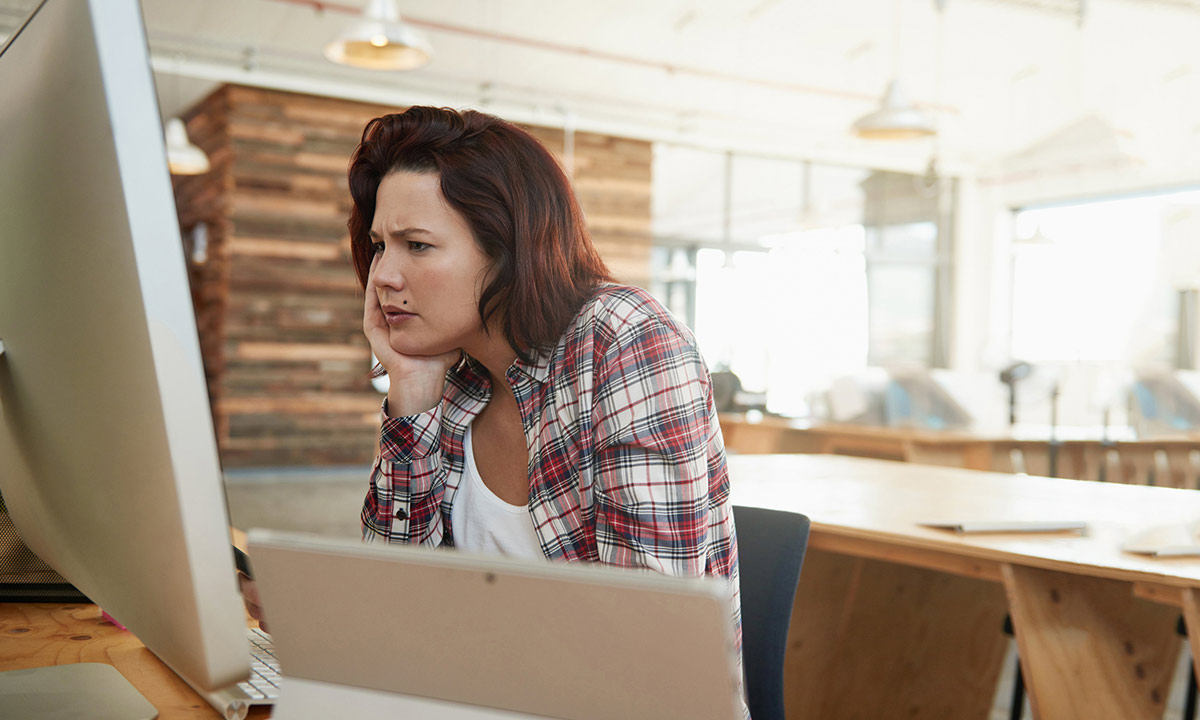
(401,514)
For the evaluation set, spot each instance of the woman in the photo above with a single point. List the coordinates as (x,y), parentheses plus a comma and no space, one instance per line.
(535,408)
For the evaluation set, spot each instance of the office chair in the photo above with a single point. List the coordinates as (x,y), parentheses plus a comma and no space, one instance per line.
(771,546)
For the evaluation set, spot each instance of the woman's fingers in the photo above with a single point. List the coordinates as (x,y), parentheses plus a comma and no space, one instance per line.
(372,312)
(253,603)
(249,590)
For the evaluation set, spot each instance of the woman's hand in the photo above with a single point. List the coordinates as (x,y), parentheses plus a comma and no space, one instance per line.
(416,381)
(253,603)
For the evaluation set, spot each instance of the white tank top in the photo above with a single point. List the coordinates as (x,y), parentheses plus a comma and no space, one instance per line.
(484,523)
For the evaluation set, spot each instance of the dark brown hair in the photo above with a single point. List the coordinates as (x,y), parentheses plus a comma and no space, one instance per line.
(516,200)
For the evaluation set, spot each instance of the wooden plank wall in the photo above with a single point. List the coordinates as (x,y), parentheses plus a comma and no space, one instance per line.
(202,200)
(277,301)
(611,177)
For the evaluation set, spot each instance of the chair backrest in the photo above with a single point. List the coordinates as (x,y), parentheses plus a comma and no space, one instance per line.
(771,546)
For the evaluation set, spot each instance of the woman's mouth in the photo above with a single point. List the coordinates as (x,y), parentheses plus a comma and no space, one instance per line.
(396,316)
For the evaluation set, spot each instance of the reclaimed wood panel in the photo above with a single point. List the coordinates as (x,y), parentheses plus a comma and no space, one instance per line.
(202,200)
(276,248)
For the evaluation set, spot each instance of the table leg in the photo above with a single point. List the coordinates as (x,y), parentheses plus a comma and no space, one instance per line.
(872,639)
(1191,617)
(1089,648)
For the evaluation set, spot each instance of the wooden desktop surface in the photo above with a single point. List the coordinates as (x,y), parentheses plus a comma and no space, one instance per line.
(856,499)
(37,635)
(891,619)
(894,619)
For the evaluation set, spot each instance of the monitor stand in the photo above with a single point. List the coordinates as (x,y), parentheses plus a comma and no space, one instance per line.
(83,690)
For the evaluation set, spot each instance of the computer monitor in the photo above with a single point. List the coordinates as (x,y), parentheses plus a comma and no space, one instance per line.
(108,461)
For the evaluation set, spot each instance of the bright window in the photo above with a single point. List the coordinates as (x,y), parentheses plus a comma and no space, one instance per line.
(789,320)
(1098,283)
(789,271)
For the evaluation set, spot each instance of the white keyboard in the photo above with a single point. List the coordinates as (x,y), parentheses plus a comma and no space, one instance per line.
(262,687)
(264,668)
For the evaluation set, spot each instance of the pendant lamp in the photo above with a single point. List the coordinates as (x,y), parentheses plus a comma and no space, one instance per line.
(183,158)
(895,119)
(380,41)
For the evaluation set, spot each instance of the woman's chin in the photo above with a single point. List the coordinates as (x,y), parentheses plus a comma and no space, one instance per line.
(412,348)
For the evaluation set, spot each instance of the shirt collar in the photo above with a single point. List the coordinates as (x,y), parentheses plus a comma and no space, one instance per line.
(474,374)
(538,368)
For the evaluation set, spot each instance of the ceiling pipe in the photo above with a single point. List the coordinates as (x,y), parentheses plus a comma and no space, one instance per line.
(668,68)
(718,141)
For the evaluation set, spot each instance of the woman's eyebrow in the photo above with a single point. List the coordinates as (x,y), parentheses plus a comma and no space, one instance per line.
(401,233)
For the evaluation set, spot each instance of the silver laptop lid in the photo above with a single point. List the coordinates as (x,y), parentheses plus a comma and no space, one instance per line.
(561,641)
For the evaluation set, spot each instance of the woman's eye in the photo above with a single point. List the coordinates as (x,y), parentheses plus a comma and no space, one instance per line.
(417,246)
(376,248)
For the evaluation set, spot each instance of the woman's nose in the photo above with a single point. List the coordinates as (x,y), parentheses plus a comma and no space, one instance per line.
(386,271)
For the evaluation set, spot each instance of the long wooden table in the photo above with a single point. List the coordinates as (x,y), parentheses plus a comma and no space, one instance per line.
(893,619)
(1083,454)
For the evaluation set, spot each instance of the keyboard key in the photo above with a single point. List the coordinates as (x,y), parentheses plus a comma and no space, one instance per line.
(251,691)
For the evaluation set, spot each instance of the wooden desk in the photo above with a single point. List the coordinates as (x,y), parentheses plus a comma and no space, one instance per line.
(1170,461)
(781,435)
(891,619)
(37,635)
(896,620)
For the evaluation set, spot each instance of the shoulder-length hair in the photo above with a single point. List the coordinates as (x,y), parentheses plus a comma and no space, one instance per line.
(516,200)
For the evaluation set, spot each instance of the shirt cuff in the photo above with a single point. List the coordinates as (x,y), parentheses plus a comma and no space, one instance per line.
(411,437)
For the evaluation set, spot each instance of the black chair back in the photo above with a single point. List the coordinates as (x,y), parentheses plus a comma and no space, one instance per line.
(771,546)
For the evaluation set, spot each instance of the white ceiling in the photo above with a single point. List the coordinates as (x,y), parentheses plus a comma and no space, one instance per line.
(780,77)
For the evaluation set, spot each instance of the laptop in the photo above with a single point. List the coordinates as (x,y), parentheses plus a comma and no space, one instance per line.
(440,635)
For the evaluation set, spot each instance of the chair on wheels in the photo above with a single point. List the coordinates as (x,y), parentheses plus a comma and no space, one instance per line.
(771,546)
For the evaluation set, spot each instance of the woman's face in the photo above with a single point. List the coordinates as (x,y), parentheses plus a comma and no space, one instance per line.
(427,271)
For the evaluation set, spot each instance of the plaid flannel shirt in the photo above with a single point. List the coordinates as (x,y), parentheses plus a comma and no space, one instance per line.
(626,459)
